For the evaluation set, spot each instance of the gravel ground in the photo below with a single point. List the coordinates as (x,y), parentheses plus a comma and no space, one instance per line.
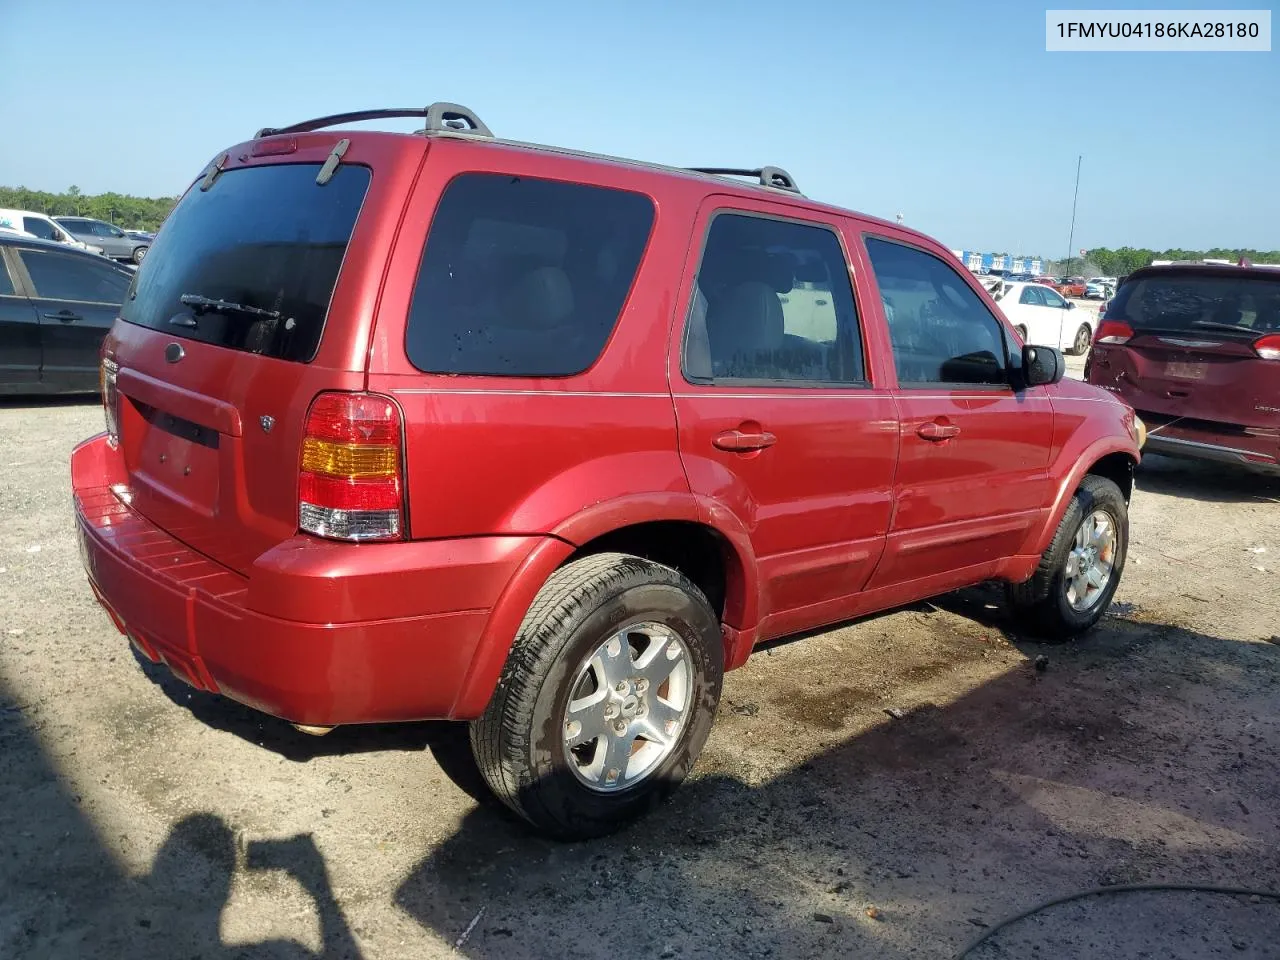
(143,820)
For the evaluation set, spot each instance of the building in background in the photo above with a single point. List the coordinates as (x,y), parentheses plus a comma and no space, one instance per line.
(993,263)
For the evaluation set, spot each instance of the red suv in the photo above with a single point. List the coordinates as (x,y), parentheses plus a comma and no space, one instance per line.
(444,426)
(1196,350)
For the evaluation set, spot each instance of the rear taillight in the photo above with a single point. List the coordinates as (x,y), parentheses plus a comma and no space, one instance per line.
(1268,347)
(108,370)
(351,482)
(1113,331)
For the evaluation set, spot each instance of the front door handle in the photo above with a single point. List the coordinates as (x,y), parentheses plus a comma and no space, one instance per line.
(742,441)
(937,431)
(64,316)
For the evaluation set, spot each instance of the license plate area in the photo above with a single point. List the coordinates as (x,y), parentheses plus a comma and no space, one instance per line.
(179,460)
(1180,370)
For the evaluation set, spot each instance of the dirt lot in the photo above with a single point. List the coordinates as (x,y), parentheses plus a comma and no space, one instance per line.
(141,820)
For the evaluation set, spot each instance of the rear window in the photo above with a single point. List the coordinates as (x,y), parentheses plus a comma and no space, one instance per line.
(266,237)
(1206,303)
(524,277)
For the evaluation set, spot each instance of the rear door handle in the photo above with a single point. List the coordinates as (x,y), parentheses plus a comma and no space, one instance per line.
(64,316)
(937,432)
(740,441)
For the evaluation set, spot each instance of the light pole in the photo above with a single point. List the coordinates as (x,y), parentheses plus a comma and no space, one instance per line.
(1071,236)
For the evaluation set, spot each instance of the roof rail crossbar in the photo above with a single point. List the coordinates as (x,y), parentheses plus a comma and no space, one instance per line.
(439,116)
(774,177)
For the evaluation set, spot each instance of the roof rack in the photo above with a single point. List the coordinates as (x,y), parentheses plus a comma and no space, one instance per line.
(441,117)
(774,177)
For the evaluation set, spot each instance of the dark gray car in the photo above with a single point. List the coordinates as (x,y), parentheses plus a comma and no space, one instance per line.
(115,243)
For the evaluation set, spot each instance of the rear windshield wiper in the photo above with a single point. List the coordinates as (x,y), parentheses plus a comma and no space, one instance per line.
(199,305)
(1225,327)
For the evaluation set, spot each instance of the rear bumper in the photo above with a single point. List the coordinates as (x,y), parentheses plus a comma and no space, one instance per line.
(318,632)
(1200,440)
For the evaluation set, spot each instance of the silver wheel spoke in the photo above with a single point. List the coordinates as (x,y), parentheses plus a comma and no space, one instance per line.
(617,756)
(663,721)
(658,661)
(625,715)
(1090,564)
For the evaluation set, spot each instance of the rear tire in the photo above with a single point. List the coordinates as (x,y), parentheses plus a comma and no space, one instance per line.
(611,616)
(1079,573)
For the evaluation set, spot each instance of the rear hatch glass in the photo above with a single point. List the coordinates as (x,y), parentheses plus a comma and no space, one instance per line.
(217,359)
(1192,351)
(264,237)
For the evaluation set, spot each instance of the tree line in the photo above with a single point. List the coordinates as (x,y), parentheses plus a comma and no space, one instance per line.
(128,212)
(1125,260)
(146,213)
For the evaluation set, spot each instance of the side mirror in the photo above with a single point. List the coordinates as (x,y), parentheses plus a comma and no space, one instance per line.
(1070,305)
(1042,365)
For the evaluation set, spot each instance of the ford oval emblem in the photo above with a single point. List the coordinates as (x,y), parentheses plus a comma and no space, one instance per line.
(174,352)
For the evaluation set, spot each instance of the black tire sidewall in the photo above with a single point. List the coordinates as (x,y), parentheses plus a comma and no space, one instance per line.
(1081,350)
(1087,500)
(558,789)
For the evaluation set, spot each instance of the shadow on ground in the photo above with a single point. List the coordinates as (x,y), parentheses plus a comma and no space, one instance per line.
(940,819)
(65,895)
(1210,482)
(944,818)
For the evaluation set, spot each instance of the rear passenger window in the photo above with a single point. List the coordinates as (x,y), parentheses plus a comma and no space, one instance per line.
(6,284)
(773,303)
(523,277)
(940,329)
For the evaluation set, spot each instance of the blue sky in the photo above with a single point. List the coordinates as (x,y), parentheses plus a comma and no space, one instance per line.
(951,113)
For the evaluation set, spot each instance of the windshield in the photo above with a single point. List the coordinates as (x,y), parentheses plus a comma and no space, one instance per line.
(1199,302)
(266,237)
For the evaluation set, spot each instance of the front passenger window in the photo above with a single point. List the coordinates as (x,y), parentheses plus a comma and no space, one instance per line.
(940,329)
(773,304)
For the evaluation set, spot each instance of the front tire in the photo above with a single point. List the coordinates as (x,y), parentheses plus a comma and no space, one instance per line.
(606,699)
(140,254)
(1084,337)
(1079,574)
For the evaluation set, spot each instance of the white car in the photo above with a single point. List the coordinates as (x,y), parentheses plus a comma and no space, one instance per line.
(42,226)
(1044,318)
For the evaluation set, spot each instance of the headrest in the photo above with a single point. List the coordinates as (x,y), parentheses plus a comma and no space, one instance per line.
(748,319)
(730,265)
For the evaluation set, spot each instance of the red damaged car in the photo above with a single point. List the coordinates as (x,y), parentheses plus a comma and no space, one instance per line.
(437,425)
(1195,349)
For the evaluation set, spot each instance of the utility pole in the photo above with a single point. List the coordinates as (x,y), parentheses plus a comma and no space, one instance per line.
(1071,237)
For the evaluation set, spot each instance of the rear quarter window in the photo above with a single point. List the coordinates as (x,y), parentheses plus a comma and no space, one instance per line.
(524,277)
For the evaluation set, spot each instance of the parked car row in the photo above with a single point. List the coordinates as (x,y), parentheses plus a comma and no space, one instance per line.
(82,233)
